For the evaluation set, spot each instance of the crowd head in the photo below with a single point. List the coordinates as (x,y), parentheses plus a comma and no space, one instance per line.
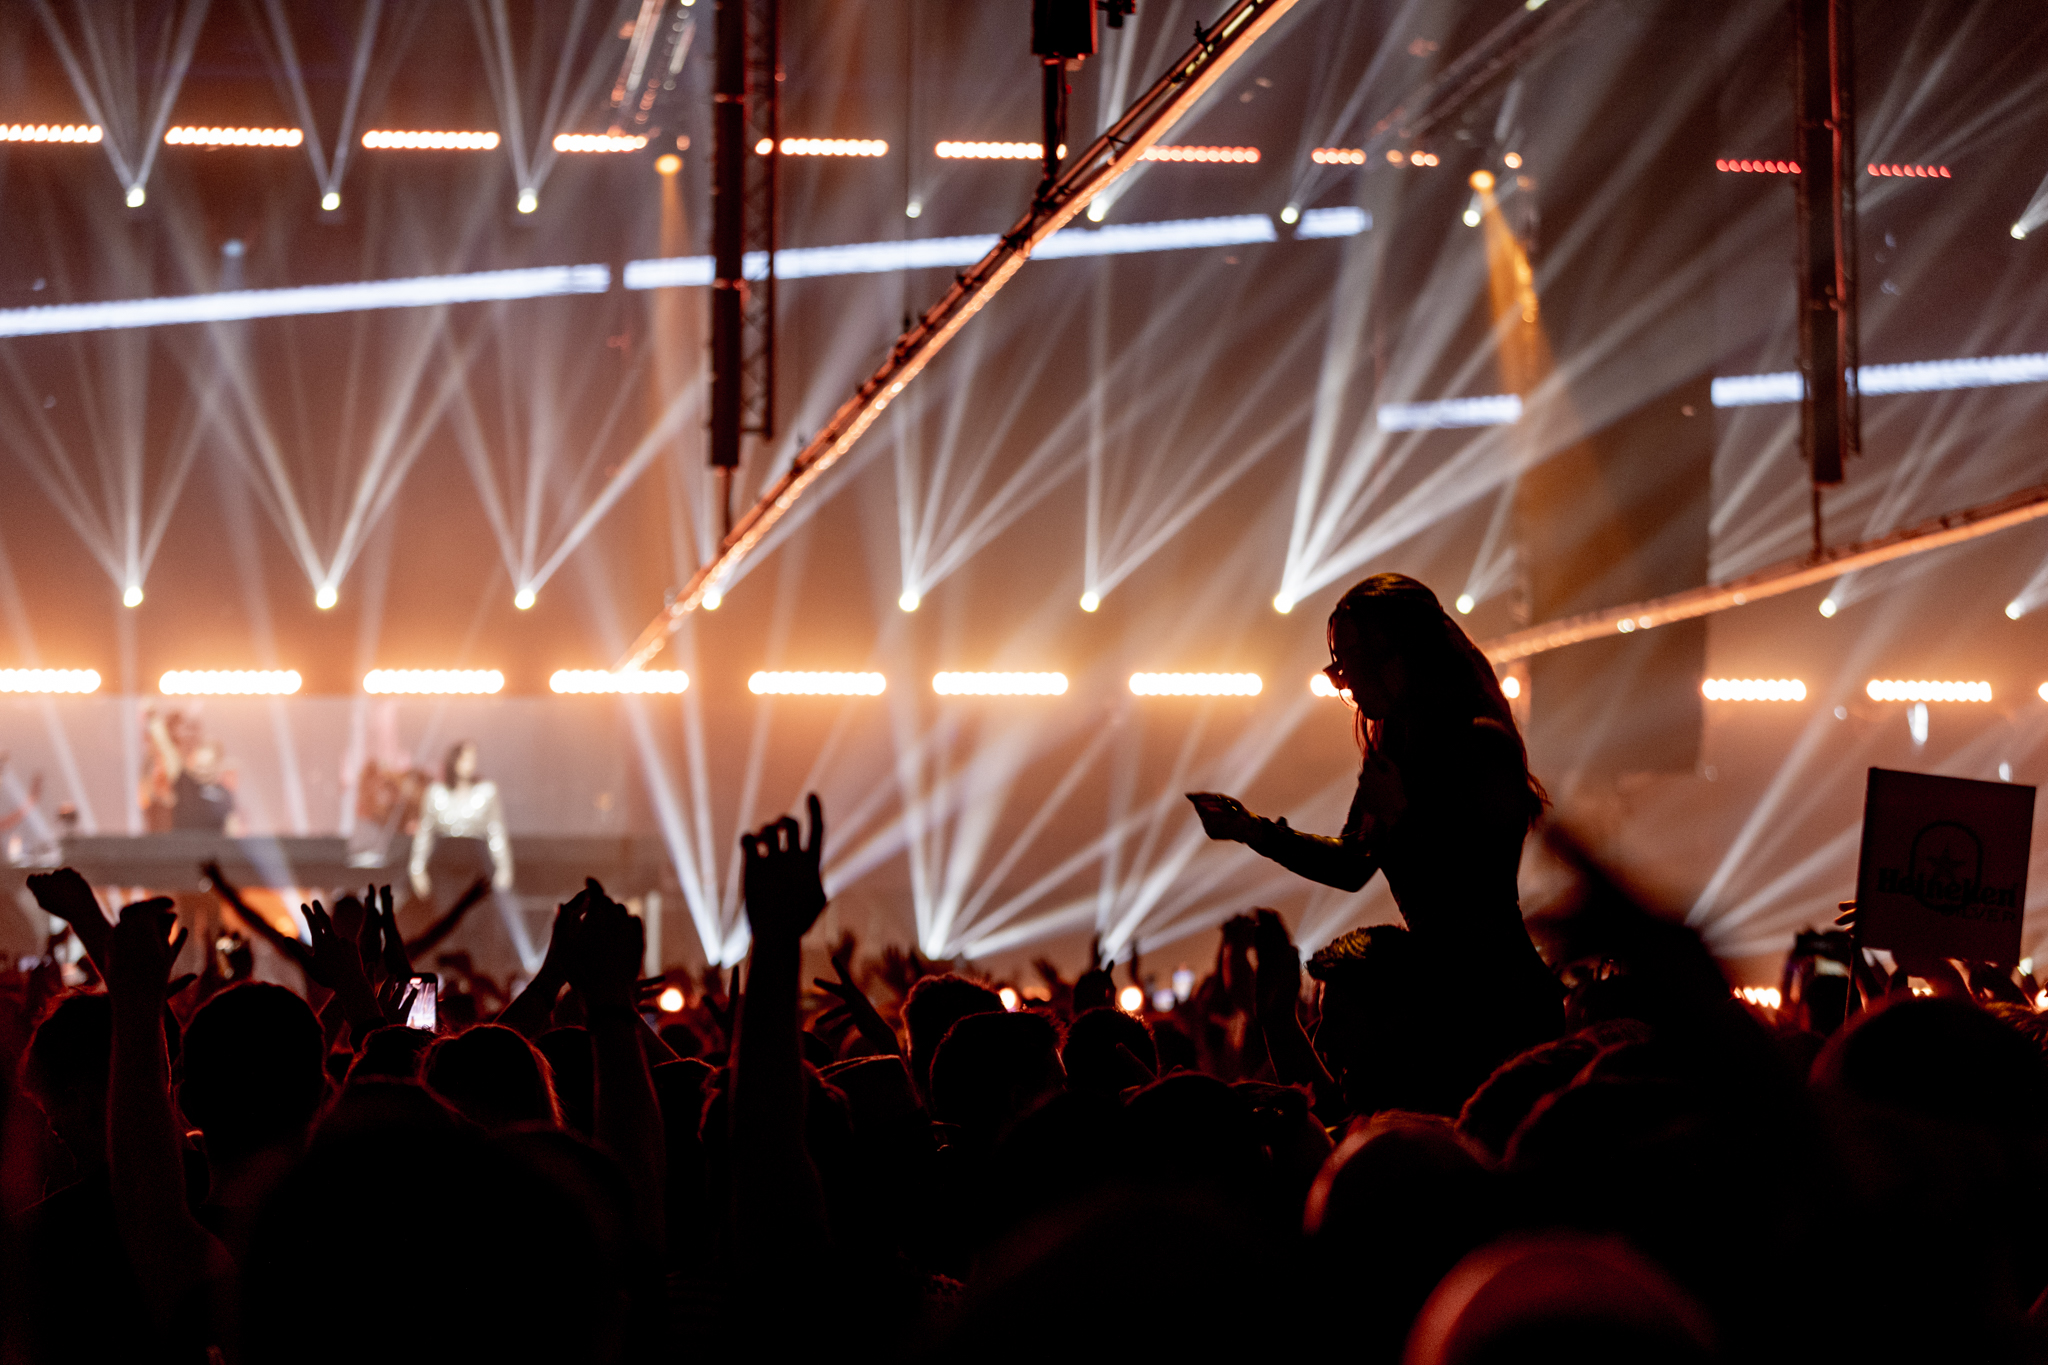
(905,1163)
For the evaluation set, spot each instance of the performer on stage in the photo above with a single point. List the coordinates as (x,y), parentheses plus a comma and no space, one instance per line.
(461,806)
(190,777)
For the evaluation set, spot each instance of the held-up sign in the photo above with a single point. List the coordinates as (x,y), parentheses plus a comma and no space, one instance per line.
(1944,866)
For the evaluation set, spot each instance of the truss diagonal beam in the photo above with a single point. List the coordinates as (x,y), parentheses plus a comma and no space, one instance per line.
(1105,161)
(1952,528)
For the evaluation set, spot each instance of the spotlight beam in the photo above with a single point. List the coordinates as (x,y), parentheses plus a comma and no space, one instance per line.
(1953,528)
(1509,44)
(284,60)
(111,103)
(291,74)
(1119,148)
(532,162)
(394,450)
(56,472)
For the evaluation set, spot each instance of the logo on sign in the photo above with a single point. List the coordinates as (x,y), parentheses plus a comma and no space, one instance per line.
(1945,873)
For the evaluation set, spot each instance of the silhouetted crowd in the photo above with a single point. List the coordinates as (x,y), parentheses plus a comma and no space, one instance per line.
(1320,1160)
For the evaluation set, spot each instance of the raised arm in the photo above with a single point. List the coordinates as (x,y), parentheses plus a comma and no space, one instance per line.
(604,971)
(1346,863)
(533,1008)
(166,748)
(431,936)
(777,1203)
(66,895)
(179,1263)
(860,1010)
(290,947)
(1278,979)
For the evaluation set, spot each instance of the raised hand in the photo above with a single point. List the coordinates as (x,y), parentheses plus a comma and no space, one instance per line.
(563,938)
(1276,994)
(66,895)
(397,965)
(1224,817)
(785,892)
(1095,988)
(605,967)
(725,1008)
(860,1011)
(337,964)
(141,949)
(532,1012)
(395,999)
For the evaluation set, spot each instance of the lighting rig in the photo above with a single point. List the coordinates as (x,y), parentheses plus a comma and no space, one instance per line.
(746,117)
(1099,166)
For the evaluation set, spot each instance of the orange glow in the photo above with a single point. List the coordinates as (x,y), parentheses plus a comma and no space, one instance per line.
(48,680)
(1343,156)
(233,137)
(1889,689)
(1237,155)
(826,146)
(390,140)
(989,151)
(50,132)
(1753,689)
(598,142)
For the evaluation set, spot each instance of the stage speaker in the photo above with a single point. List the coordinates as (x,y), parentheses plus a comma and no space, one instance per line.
(1063,29)
(1619,517)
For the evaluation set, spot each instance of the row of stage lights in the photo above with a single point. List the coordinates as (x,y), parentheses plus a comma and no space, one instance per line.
(822,683)
(951,150)
(1877,689)
(374,140)
(591,682)
(457,140)
(1886,170)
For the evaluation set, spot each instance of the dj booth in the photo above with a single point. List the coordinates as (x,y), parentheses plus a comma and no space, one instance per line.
(548,869)
(545,865)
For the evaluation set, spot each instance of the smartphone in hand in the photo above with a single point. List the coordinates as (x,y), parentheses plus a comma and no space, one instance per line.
(425,1012)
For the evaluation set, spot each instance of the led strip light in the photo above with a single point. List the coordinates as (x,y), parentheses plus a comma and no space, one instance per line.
(65,681)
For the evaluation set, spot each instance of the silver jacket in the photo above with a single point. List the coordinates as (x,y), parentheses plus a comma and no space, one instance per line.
(474,812)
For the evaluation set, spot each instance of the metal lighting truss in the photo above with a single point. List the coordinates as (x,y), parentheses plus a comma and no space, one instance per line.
(1949,529)
(1094,170)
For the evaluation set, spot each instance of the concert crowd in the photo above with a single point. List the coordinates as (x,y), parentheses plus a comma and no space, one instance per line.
(1423,1144)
